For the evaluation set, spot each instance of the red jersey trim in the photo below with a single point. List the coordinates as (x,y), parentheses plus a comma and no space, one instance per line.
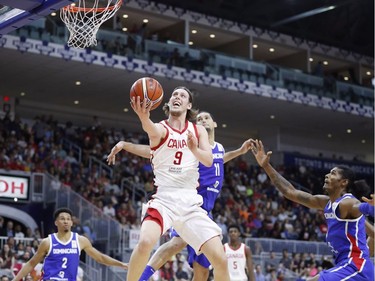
(163,140)
(154,215)
(180,132)
(356,253)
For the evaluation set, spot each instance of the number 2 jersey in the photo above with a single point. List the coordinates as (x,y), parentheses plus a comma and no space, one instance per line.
(62,260)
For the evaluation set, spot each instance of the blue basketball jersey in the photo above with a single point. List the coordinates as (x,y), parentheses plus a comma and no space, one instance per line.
(211,178)
(62,260)
(347,240)
(210,184)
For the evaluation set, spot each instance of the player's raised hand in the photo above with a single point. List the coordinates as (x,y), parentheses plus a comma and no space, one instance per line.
(370,201)
(142,109)
(116,149)
(261,156)
(246,146)
(192,141)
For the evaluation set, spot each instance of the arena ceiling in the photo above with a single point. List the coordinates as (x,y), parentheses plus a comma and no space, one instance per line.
(348,24)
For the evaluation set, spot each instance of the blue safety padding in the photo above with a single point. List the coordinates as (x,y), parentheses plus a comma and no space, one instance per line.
(25,5)
(27,17)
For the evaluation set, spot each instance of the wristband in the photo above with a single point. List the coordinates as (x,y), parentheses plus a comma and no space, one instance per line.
(366,209)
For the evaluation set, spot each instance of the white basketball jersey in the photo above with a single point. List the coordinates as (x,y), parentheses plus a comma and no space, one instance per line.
(173,163)
(236,262)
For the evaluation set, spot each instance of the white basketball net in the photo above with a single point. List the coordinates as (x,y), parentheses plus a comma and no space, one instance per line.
(83,20)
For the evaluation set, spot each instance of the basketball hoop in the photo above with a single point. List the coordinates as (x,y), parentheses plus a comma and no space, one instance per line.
(83,20)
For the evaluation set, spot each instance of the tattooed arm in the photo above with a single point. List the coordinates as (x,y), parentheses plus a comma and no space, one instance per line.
(284,186)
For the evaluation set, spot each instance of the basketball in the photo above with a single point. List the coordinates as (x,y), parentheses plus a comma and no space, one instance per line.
(148,88)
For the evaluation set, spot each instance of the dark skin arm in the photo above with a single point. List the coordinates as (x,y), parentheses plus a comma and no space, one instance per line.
(37,258)
(284,186)
(249,264)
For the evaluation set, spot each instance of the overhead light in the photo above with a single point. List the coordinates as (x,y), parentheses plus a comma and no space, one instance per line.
(363,141)
(349,131)
(212,35)
(191,43)
(311,59)
(255,46)
(53,14)
(368,73)
(145,21)
(124,29)
(126,109)
(346,78)
(78,83)
(325,62)
(194,31)
(125,16)
(22,94)
(272,50)
(329,135)
(76,102)
(224,125)
(272,116)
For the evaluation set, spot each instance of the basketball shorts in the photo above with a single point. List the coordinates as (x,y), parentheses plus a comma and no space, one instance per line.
(180,209)
(192,255)
(348,271)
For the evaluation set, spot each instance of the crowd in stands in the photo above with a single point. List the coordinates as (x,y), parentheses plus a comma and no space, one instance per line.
(247,198)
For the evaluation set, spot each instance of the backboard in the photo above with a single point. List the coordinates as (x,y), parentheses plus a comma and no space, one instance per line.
(17,13)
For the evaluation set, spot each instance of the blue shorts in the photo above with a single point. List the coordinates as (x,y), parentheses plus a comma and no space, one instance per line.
(348,271)
(192,256)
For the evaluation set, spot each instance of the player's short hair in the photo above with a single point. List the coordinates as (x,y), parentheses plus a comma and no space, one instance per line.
(203,111)
(347,174)
(236,226)
(62,210)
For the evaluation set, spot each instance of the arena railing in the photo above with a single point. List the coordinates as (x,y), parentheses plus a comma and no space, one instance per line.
(103,231)
(222,64)
(259,245)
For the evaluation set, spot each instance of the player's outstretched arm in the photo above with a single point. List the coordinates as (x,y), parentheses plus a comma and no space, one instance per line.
(369,201)
(98,256)
(245,147)
(284,186)
(249,264)
(356,208)
(37,258)
(136,149)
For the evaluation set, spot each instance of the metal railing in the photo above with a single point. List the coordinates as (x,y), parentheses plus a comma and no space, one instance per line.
(103,230)
(259,245)
(100,166)
(153,51)
(70,146)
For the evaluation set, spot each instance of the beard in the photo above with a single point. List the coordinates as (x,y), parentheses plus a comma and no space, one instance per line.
(175,113)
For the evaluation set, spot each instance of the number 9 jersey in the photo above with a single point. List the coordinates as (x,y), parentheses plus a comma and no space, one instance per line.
(174,165)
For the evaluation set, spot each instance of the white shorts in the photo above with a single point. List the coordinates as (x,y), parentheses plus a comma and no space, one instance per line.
(180,209)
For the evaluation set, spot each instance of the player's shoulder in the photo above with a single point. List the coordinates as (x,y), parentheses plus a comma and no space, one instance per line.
(219,146)
(83,241)
(45,243)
